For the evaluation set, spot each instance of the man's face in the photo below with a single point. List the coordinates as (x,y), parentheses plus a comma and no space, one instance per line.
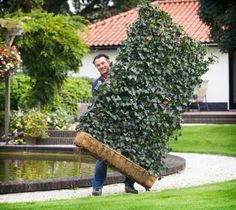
(102,65)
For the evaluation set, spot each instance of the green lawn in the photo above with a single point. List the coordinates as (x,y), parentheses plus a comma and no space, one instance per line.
(211,197)
(218,139)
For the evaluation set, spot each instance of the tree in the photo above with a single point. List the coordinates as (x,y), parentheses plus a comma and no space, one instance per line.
(7,6)
(50,48)
(57,7)
(157,60)
(220,16)
(93,10)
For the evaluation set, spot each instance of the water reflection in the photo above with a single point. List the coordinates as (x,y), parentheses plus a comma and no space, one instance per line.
(40,166)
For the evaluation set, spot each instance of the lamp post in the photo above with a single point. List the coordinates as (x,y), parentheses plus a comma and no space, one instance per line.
(10,30)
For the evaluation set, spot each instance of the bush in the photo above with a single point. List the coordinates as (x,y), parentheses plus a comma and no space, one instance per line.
(59,120)
(33,123)
(73,91)
(20,86)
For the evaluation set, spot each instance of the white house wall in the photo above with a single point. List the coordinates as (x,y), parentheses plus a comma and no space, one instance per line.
(218,74)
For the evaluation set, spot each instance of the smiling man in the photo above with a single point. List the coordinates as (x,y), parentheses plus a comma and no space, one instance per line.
(102,64)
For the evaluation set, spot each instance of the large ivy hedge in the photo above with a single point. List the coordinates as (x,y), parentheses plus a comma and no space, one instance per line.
(157,60)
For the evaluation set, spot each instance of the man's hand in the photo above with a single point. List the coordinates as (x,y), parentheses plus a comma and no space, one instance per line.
(165,101)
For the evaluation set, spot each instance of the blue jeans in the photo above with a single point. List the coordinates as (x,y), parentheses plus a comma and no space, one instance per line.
(101,174)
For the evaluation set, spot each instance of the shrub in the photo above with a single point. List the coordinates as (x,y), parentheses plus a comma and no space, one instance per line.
(33,123)
(17,120)
(36,123)
(59,120)
(20,86)
(74,90)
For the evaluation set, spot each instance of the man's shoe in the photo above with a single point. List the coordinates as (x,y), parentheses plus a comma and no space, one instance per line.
(129,189)
(97,191)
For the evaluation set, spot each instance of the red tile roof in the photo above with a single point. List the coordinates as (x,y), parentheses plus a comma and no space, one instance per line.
(112,31)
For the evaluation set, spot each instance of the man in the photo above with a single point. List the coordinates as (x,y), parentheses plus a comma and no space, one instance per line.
(102,64)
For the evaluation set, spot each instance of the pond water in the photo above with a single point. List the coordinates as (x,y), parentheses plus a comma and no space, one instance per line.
(41,166)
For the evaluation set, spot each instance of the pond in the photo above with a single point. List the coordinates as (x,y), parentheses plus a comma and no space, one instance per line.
(24,166)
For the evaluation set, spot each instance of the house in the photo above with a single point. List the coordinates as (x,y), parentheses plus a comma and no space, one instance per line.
(107,35)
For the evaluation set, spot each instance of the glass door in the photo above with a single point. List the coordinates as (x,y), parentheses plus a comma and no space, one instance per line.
(232,80)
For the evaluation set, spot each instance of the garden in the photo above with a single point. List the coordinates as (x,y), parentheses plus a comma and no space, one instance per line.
(39,96)
(207,197)
(60,114)
(128,113)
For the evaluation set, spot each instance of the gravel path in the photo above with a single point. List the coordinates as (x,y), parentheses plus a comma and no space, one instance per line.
(200,169)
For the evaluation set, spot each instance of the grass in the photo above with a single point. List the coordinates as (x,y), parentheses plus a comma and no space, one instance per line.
(209,197)
(217,139)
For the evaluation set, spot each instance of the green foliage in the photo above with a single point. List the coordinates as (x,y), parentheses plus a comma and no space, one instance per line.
(60,112)
(2,116)
(59,120)
(7,6)
(50,48)
(57,7)
(157,60)
(221,17)
(74,90)
(20,86)
(33,123)
(17,121)
(92,10)
(98,10)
